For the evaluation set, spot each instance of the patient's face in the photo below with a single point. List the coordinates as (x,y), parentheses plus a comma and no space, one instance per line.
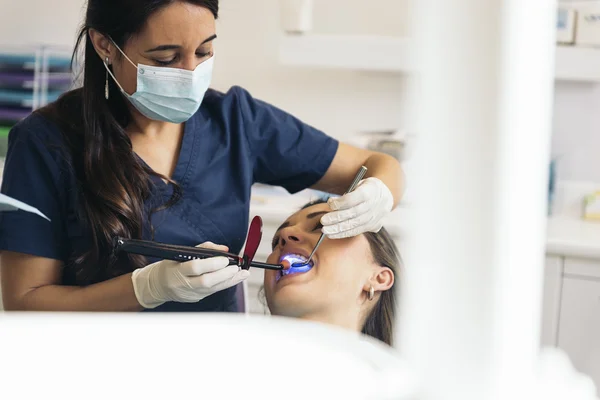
(335,282)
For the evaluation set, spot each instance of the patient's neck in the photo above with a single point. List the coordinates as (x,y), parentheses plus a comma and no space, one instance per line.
(348,319)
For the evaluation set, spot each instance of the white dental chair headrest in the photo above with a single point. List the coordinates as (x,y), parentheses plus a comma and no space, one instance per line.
(194,356)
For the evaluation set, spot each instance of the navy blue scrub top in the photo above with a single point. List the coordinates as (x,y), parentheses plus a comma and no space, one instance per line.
(232,142)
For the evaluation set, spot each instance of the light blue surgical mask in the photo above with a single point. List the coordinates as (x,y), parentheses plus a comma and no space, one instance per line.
(168,94)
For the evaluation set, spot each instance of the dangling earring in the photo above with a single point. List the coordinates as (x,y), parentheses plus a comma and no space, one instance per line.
(371,293)
(106,84)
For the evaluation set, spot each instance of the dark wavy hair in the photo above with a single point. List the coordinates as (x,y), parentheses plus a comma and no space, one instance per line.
(380,321)
(112,183)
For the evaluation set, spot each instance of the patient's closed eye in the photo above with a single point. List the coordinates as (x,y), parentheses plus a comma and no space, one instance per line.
(318,227)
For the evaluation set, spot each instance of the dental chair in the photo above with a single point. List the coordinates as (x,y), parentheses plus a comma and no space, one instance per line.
(209,355)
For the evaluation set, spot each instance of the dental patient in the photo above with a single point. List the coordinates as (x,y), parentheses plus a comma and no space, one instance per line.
(349,282)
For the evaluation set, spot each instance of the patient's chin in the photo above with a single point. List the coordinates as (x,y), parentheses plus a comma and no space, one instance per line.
(287,310)
(292,301)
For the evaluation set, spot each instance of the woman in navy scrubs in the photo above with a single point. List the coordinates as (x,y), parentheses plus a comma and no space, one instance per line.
(146,150)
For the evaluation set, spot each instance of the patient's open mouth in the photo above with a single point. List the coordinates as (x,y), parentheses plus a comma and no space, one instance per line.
(295,259)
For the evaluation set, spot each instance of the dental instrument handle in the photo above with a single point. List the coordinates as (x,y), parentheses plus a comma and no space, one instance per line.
(169,252)
(274,267)
(361,173)
(180,253)
(315,249)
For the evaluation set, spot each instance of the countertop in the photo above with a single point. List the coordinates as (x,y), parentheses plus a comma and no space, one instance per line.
(568,236)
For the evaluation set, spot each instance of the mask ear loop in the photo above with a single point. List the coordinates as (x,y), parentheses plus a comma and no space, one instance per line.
(110,72)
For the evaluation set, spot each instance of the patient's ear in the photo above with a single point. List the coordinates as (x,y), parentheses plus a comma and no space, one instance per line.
(381,280)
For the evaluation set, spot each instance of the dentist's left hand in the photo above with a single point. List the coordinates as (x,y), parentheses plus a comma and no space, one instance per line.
(362,210)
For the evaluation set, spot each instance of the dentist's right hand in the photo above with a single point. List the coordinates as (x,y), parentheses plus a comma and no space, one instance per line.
(187,282)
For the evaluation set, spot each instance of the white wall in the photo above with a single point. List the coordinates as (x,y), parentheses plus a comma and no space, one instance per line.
(25,22)
(340,102)
(576,135)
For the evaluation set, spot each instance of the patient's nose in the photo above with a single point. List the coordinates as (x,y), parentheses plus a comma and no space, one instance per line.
(291,235)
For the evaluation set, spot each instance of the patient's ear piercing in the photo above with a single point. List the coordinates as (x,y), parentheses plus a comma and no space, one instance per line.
(371,293)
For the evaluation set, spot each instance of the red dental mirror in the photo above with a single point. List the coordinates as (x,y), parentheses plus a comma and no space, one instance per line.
(252,241)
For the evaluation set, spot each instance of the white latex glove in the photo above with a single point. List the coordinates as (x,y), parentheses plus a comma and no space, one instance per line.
(187,282)
(359,211)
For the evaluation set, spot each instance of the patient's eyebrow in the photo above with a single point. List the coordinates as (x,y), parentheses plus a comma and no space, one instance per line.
(316,214)
(284,225)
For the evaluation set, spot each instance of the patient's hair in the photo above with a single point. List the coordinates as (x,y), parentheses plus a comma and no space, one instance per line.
(380,321)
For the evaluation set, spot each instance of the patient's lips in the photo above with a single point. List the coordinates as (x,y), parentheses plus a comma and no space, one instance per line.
(290,259)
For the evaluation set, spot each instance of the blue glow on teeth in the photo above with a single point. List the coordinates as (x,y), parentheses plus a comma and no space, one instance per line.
(296,270)
(295,259)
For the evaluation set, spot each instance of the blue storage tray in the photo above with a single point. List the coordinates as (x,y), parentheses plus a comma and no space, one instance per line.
(27,61)
(13,114)
(24,98)
(25,80)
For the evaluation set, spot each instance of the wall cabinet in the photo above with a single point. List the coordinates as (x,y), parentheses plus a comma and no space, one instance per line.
(551,300)
(571,313)
(579,318)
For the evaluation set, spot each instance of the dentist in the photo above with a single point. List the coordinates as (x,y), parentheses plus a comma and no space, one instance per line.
(146,150)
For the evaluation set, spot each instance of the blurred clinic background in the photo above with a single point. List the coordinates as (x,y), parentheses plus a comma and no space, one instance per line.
(343,67)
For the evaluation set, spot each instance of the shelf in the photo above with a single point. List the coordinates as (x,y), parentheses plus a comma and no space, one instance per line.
(31,77)
(368,53)
(393,54)
(26,80)
(24,98)
(28,61)
(11,115)
(580,64)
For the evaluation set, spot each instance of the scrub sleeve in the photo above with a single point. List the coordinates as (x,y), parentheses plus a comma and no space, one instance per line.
(33,176)
(286,151)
